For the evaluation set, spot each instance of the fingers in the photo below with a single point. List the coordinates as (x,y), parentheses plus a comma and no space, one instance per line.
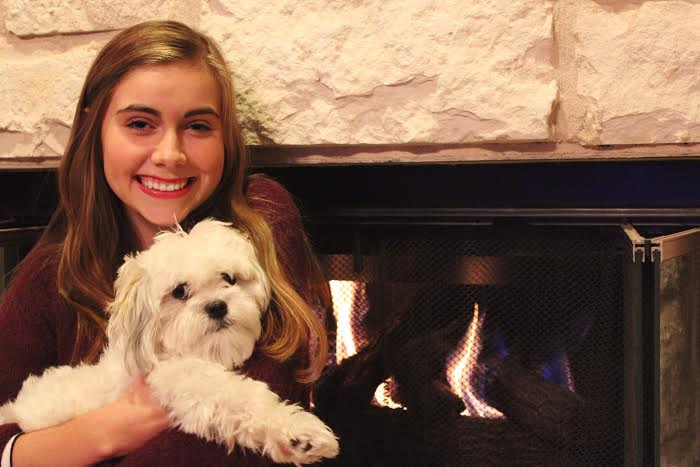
(139,392)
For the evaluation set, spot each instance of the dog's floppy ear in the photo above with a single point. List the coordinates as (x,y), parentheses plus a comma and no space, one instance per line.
(131,323)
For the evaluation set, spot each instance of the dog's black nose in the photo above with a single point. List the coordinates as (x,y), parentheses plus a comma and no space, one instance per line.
(216,309)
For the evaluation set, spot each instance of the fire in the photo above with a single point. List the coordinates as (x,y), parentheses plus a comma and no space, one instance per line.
(461,366)
(348,300)
(343,294)
(382,396)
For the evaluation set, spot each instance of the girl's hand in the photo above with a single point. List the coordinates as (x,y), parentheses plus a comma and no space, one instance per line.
(131,420)
(113,430)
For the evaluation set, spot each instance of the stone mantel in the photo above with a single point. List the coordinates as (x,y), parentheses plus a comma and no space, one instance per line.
(287,155)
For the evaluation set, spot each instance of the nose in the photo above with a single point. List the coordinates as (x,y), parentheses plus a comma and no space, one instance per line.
(216,309)
(169,151)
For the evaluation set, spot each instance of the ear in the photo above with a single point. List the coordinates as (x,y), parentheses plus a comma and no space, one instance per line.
(266,289)
(131,323)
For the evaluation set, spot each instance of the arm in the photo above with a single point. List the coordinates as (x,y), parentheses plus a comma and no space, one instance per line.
(74,443)
(110,431)
(37,331)
(27,333)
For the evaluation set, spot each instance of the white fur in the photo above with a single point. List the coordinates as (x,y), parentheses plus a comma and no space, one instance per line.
(188,354)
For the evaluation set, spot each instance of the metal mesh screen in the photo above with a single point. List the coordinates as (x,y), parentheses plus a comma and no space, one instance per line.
(493,345)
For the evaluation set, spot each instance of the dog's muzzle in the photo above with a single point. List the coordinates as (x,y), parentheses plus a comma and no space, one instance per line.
(216,309)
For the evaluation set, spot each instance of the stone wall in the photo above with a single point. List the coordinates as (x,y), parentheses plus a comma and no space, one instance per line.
(396,72)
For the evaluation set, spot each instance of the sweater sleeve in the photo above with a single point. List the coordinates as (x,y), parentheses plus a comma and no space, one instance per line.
(27,330)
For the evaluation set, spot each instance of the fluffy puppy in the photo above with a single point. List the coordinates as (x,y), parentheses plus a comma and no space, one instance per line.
(187,311)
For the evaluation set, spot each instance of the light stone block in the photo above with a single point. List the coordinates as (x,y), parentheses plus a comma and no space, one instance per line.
(389,71)
(637,68)
(3,14)
(41,17)
(39,92)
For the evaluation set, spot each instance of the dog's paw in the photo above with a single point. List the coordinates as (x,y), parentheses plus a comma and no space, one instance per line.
(305,439)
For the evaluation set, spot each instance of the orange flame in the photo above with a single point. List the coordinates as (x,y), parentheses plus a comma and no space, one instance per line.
(343,294)
(346,296)
(461,366)
(382,396)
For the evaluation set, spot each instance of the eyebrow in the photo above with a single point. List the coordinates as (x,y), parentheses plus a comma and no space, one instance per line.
(156,113)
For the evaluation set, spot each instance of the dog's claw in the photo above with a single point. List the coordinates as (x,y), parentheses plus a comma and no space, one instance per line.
(306,447)
(306,441)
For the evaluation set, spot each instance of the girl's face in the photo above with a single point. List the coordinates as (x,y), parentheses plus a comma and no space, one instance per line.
(162,144)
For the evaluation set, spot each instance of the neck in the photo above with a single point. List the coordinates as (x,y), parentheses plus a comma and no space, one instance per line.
(142,231)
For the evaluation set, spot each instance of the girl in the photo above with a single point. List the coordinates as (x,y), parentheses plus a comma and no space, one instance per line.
(154,140)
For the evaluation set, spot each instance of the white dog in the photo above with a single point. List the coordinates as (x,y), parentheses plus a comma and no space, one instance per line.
(187,311)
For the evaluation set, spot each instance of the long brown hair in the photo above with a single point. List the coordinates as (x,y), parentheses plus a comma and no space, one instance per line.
(89,226)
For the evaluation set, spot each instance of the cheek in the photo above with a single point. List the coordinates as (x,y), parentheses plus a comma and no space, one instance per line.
(119,158)
(216,170)
(208,157)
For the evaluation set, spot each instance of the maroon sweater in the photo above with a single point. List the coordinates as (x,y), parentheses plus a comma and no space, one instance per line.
(37,331)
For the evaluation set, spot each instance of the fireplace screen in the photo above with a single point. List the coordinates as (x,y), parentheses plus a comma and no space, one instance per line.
(457,346)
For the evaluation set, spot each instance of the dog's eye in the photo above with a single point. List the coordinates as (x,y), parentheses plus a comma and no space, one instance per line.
(181,292)
(228,278)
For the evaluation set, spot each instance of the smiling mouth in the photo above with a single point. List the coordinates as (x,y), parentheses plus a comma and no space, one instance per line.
(165,186)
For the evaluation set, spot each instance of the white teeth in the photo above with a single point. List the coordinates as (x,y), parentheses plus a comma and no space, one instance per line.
(153,185)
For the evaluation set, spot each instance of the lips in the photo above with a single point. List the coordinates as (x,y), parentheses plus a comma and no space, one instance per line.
(164,188)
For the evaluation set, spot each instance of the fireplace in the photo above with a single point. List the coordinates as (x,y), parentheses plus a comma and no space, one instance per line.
(540,314)
(502,343)
(508,314)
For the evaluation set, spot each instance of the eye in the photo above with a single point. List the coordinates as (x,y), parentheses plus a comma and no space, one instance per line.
(138,124)
(228,278)
(181,292)
(199,126)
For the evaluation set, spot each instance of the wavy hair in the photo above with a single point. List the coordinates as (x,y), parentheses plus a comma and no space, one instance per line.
(89,225)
